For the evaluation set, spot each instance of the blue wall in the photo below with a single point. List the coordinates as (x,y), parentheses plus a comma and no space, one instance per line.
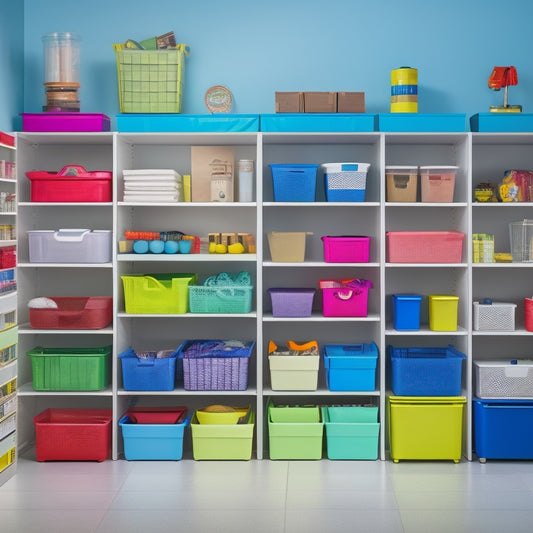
(11,63)
(256,48)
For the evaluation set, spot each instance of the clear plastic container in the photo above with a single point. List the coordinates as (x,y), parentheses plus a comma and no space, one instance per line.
(61,57)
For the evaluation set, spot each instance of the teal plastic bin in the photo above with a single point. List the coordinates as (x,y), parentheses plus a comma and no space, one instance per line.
(352,432)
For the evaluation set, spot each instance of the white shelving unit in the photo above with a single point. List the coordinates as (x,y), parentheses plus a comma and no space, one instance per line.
(480,157)
(8,323)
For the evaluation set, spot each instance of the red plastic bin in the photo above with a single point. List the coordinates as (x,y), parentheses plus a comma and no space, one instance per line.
(156,415)
(8,257)
(73,312)
(346,249)
(73,434)
(71,184)
(425,246)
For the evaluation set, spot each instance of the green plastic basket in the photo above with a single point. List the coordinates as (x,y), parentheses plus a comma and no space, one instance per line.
(226,299)
(150,81)
(70,369)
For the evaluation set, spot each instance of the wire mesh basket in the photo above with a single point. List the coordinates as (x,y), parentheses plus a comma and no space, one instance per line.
(150,81)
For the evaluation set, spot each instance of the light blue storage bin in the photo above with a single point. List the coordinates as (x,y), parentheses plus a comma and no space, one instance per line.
(351,367)
(319,122)
(153,442)
(352,432)
(502,122)
(422,122)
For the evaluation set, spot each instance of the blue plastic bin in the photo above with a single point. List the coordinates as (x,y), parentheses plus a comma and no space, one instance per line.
(351,367)
(406,311)
(148,374)
(294,183)
(503,429)
(426,371)
(155,442)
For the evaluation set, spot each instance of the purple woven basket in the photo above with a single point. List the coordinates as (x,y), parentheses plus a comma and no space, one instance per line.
(208,365)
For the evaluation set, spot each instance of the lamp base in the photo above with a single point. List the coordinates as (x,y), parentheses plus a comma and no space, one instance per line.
(506,109)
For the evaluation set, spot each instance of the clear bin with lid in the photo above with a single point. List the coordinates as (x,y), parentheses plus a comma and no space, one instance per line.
(437,183)
(402,183)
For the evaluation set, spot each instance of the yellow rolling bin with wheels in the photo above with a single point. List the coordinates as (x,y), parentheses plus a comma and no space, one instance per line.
(425,427)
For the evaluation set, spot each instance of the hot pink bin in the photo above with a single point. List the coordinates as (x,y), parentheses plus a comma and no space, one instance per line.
(339,298)
(346,249)
(65,121)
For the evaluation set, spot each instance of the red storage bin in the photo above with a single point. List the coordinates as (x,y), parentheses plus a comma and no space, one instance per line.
(73,434)
(71,184)
(156,415)
(8,257)
(72,312)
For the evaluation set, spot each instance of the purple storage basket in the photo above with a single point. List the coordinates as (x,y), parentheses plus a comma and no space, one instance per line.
(292,302)
(215,365)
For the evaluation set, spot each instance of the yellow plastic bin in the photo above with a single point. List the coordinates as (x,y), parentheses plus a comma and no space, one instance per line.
(425,427)
(222,441)
(443,312)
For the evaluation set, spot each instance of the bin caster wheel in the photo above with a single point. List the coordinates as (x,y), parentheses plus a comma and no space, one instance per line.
(456,461)
(396,460)
(482,460)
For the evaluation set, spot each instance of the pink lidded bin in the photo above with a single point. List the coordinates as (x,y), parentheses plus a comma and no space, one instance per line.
(437,183)
(425,246)
(345,297)
(346,249)
(65,121)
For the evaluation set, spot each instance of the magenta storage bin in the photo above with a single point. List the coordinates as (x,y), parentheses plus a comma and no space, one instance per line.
(292,302)
(65,121)
(345,298)
(346,249)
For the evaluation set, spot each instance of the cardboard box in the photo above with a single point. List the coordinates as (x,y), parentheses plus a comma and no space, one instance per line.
(350,102)
(289,102)
(320,102)
(212,173)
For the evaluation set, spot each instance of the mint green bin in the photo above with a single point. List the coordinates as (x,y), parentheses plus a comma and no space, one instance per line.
(351,432)
(295,439)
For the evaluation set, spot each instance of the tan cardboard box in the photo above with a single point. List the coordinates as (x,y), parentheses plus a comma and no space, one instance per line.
(320,102)
(212,173)
(350,102)
(289,102)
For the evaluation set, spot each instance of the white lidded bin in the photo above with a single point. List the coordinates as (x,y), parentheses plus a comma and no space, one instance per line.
(70,246)
(495,316)
(504,379)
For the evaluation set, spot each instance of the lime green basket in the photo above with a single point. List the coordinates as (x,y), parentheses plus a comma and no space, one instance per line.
(150,81)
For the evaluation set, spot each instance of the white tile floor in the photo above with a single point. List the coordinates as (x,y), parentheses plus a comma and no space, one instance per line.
(268,496)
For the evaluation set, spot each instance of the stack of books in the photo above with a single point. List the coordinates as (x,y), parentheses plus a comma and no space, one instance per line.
(152,185)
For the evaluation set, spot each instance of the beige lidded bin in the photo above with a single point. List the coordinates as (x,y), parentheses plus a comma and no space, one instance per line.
(287,246)
(402,183)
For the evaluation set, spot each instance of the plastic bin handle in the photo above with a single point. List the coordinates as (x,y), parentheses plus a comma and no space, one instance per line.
(72,170)
(71,235)
(354,348)
(150,280)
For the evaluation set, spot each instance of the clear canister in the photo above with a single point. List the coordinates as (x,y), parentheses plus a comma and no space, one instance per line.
(245,169)
(61,57)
